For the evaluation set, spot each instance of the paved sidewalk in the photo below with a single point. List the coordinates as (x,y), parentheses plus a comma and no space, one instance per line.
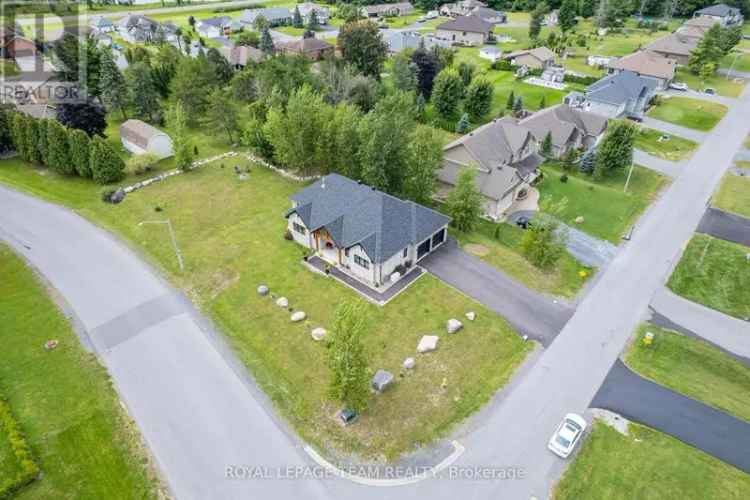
(669,168)
(725,226)
(671,128)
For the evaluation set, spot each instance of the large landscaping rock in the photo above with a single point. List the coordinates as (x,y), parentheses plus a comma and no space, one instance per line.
(282,302)
(428,343)
(471,315)
(453,325)
(409,363)
(298,316)
(117,196)
(382,380)
(262,290)
(319,334)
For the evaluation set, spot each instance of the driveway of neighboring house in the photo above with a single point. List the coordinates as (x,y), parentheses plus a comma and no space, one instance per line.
(669,168)
(671,128)
(725,226)
(704,427)
(533,314)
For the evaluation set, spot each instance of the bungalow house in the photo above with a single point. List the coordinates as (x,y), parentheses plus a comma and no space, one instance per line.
(306,9)
(538,58)
(505,157)
(214,27)
(648,65)
(276,16)
(369,235)
(490,15)
(240,55)
(674,46)
(460,8)
(696,27)
(135,28)
(465,30)
(726,15)
(569,128)
(101,24)
(314,49)
(619,95)
(388,10)
(139,137)
(398,41)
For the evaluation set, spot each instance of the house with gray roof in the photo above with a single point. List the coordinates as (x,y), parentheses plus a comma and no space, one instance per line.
(369,235)
(726,15)
(647,65)
(504,154)
(399,41)
(568,128)
(276,16)
(618,95)
(675,46)
(466,30)
(387,9)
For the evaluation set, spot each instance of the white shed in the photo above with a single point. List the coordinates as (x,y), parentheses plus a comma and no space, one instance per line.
(490,53)
(139,137)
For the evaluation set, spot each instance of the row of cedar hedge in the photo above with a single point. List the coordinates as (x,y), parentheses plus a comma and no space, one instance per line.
(29,470)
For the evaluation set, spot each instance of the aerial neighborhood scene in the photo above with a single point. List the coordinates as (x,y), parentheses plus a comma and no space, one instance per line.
(367,249)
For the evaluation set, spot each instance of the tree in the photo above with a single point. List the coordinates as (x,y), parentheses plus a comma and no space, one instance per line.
(587,8)
(18,134)
(428,66)
(537,17)
(347,358)
(362,46)
(312,23)
(222,113)
(730,37)
(543,242)
(543,102)
(41,140)
(192,84)
(67,54)
(80,145)
(244,88)
(404,73)
(266,42)
(707,51)
(466,70)
(58,149)
(6,128)
(588,161)
(567,15)
(464,203)
(478,101)
(546,148)
(447,92)
(183,149)
(518,106)
(87,116)
(221,67)
(105,164)
(141,163)
(569,159)
(424,157)
(261,24)
(297,18)
(113,88)
(191,21)
(249,39)
(706,72)
(615,151)
(463,124)
(511,100)
(143,94)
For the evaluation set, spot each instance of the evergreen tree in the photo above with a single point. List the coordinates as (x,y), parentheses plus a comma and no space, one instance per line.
(543,102)
(588,161)
(42,140)
(221,67)
(80,145)
(511,100)
(6,128)
(567,15)
(546,148)
(615,151)
(297,18)
(404,73)
(18,134)
(183,149)
(143,93)
(266,42)
(113,87)
(58,149)
(466,70)
(464,203)
(105,164)
(313,24)
(543,243)
(587,8)
(463,124)
(518,106)
(192,84)
(347,358)
(32,141)
(537,17)
(478,101)
(447,92)
(569,159)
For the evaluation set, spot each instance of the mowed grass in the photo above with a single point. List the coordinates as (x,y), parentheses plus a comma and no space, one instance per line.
(720,83)
(674,148)
(231,236)
(608,212)
(647,464)
(503,243)
(714,273)
(687,112)
(9,465)
(63,400)
(693,368)
(737,60)
(734,195)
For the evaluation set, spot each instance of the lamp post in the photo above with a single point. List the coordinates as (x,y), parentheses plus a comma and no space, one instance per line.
(171,235)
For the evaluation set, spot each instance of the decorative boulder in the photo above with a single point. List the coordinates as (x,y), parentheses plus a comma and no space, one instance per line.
(427,343)
(579,219)
(262,290)
(453,325)
(471,315)
(382,380)
(282,302)
(298,316)
(318,334)
(117,196)
(409,363)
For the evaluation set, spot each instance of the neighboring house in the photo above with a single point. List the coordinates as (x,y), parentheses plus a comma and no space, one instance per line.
(314,49)
(553,74)
(599,61)
(569,128)
(492,54)
(276,16)
(139,137)
(367,234)
(620,95)
(17,46)
(538,58)
(101,24)
(490,15)
(465,30)
(135,28)
(674,46)
(696,27)
(214,27)
(461,8)
(552,19)
(726,15)
(306,9)
(505,157)
(649,65)
(240,55)
(388,10)
(398,41)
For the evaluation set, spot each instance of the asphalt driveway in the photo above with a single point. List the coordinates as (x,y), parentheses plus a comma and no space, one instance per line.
(725,226)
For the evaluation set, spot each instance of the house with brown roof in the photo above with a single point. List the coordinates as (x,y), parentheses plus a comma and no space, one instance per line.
(312,48)
(240,55)
(139,137)
(466,30)
(505,157)
(388,9)
(696,27)
(674,46)
(569,128)
(647,65)
(537,58)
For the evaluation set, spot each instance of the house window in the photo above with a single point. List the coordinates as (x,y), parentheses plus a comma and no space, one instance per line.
(406,251)
(299,228)
(363,263)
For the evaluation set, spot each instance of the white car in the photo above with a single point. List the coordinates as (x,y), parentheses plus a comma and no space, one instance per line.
(678,86)
(567,435)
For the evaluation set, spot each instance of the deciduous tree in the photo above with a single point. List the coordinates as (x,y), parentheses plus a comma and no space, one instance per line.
(424,156)
(362,46)
(478,101)
(464,203)
(447,92)
(347,358)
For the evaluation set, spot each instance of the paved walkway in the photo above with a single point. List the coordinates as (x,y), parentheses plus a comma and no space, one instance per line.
(725,226)
(671,128)
(697,424)
(724,331)
(664,167)
(530,313)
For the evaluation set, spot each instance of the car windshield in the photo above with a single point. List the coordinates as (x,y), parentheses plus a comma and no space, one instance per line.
(562,441)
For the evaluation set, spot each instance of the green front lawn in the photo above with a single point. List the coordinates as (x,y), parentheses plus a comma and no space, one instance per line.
(231,236)
(674,148)
(734,195)
(647,464)
(608,212)
(63,400)
(687,112)
(738,61)
(693,368)
(722,85)
(8,68)
(503,245)
(9,465)
(714,273)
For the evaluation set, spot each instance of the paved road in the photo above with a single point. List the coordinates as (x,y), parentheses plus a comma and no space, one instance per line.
(726,226)
(530,313)
(195,407)
(665,167)
(635,398)
(671,128)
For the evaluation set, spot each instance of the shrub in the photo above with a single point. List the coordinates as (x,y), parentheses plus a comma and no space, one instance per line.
(140,164)
(564,178)
(583,80)
(503,65)
(29,470)
(107,195)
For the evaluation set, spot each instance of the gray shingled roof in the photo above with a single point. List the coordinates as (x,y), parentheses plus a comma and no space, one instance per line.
(720,9)
(619,88)
(561,121)
(354,213)
(471,24)
(495,143)
(673,43)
